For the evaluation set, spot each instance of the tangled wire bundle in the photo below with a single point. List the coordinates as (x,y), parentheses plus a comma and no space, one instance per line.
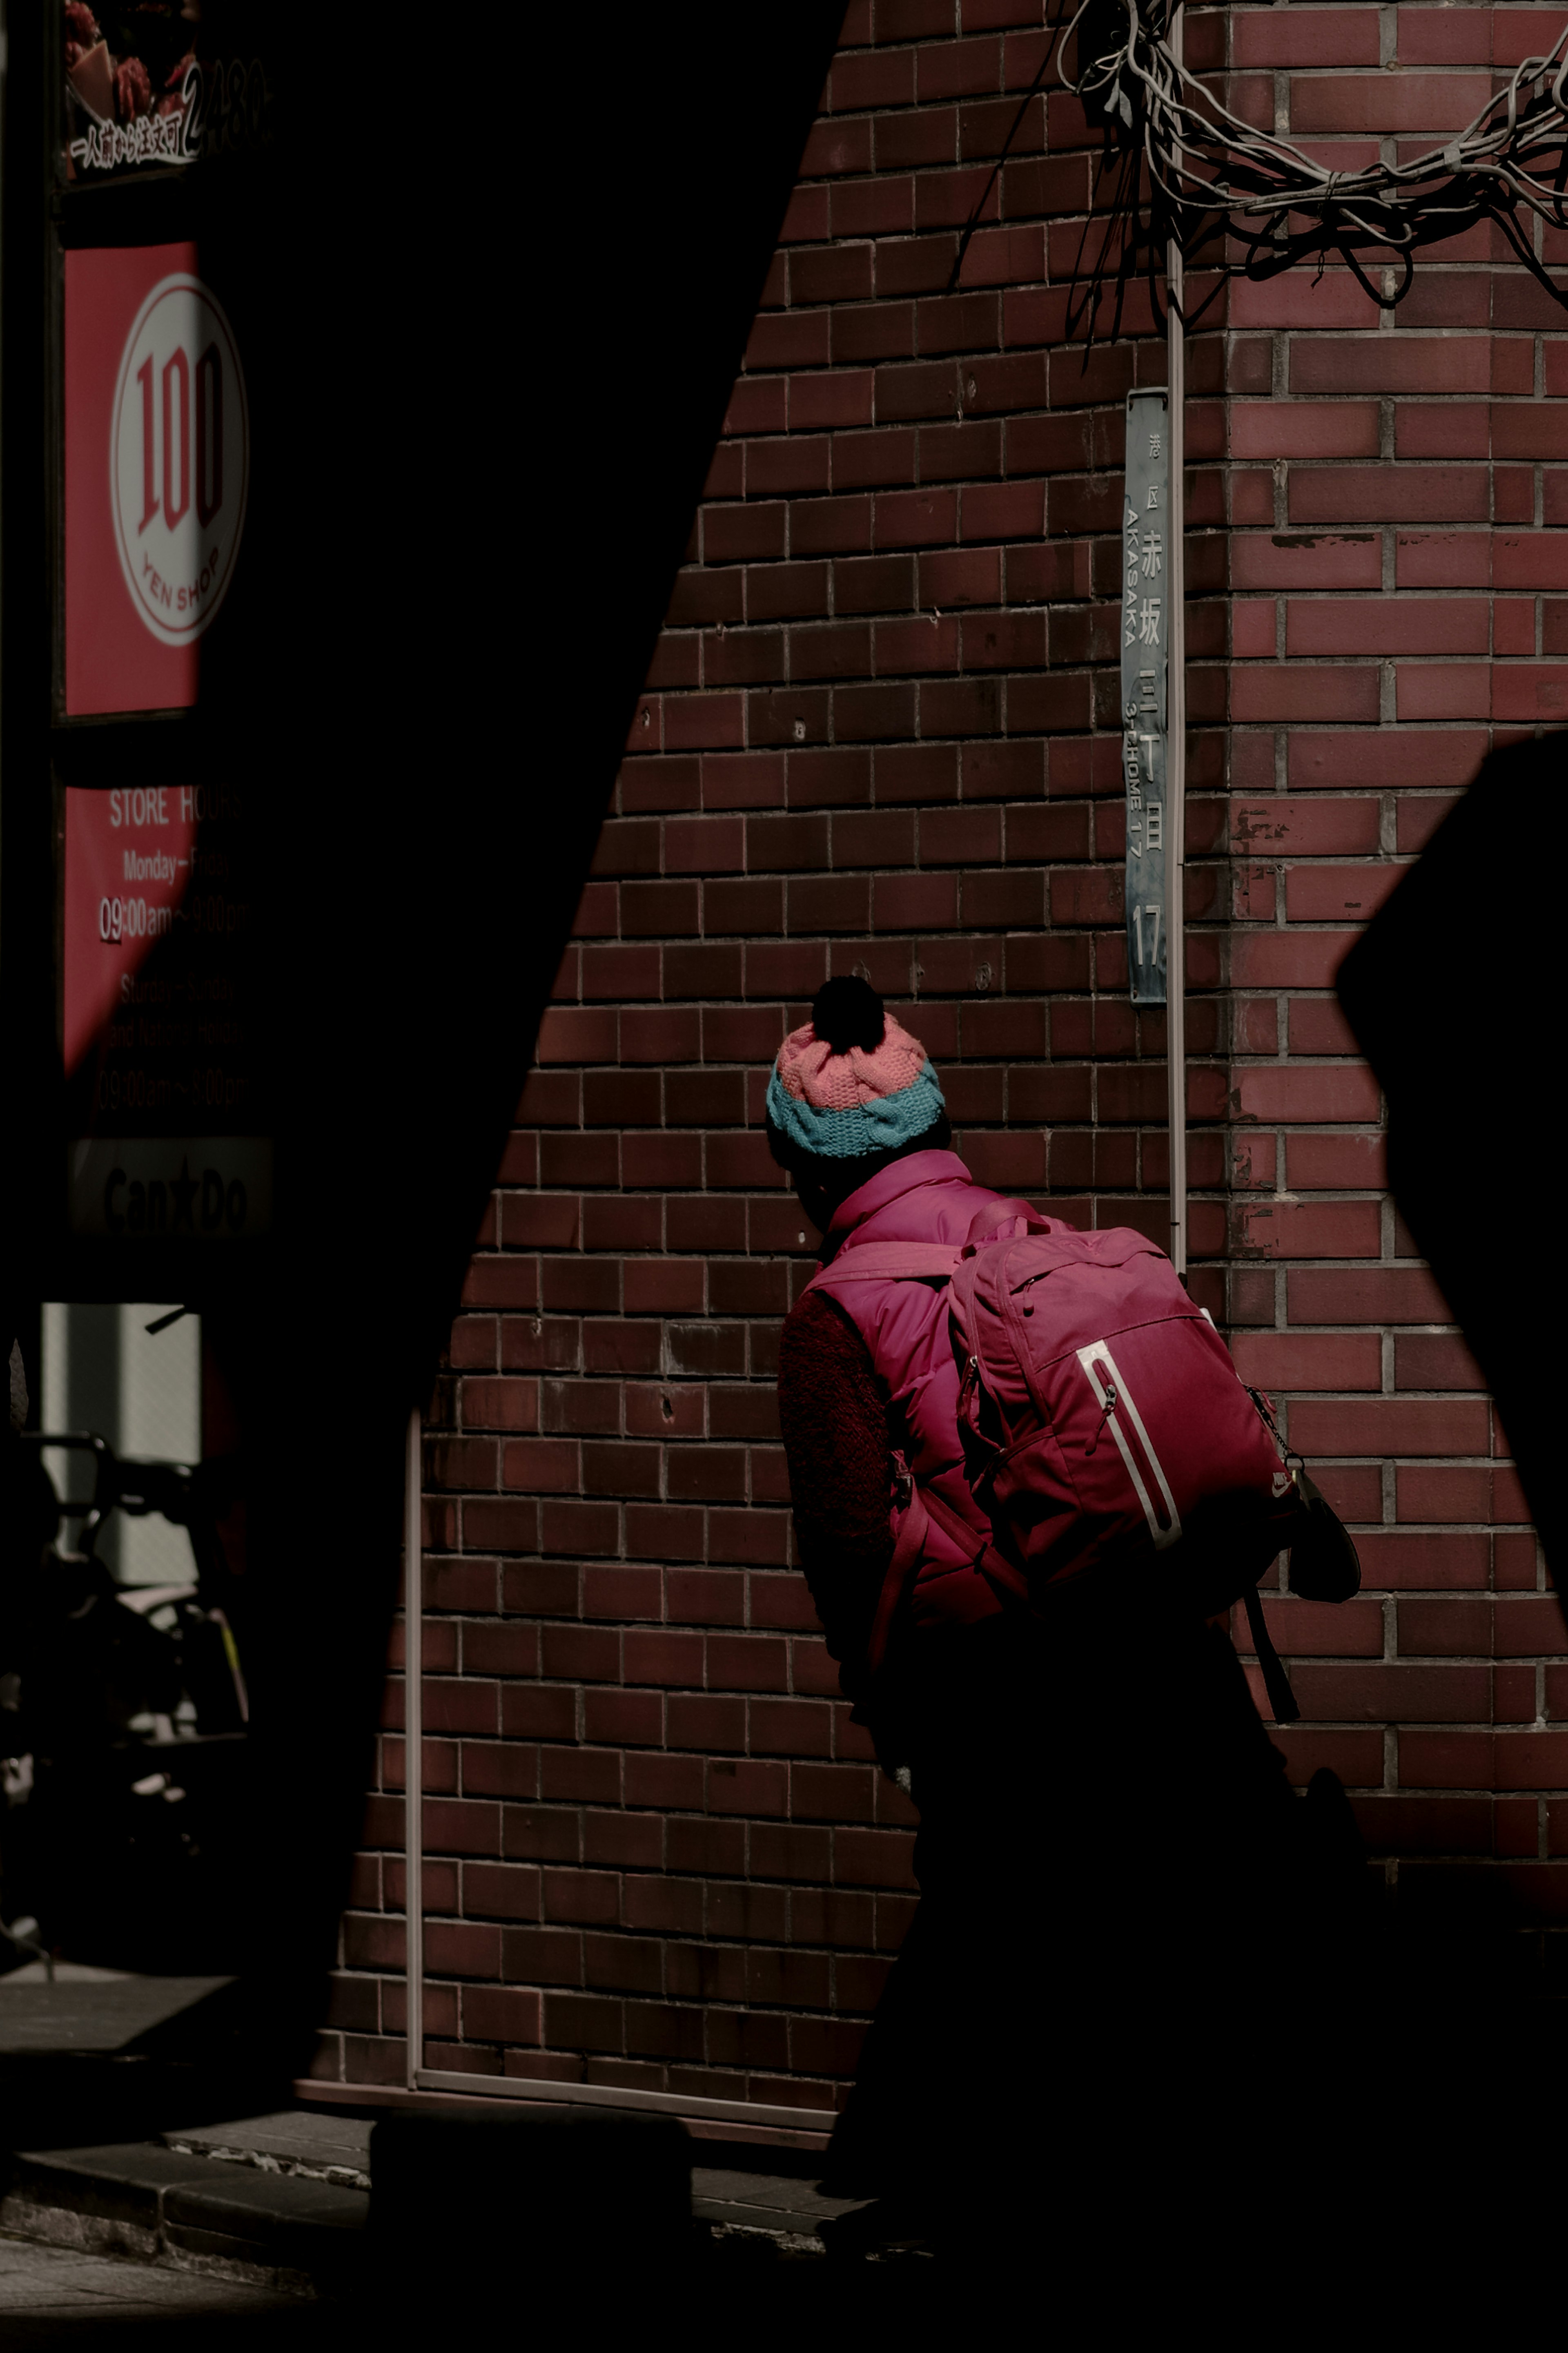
(1186,168)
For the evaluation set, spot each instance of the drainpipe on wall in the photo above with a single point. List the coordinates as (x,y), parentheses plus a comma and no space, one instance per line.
(1176,744)
(414,1748)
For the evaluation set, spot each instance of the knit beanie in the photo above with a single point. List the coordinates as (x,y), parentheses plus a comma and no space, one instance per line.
(852,1084)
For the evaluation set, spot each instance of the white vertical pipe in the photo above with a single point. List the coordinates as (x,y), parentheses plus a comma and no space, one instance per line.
(1176,746)
(413,1746)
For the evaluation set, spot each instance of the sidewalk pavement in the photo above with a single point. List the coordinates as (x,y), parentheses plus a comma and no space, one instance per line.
(49,2296)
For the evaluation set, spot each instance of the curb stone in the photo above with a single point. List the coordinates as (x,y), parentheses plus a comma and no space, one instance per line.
(165,2207)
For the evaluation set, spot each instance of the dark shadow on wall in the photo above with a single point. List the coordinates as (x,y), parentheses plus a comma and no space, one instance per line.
(512,359)
(1454,993)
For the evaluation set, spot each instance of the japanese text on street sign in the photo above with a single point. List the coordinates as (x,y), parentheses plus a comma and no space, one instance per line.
(1146,569)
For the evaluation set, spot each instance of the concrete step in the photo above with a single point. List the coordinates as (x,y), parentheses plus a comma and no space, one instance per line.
(281,2200)
(726,2200)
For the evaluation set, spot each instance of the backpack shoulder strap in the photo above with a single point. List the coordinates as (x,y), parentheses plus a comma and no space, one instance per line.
(889,1262)
(1276,1683)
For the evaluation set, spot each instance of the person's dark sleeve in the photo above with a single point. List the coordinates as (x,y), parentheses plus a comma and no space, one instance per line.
(840,1473)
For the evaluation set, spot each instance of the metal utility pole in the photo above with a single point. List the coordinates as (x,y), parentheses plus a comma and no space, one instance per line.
(1154,716)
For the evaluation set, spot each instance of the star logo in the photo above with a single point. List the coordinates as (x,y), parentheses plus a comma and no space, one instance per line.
(184,1188)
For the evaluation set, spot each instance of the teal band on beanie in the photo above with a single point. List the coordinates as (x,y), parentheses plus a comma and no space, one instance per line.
(886,1124)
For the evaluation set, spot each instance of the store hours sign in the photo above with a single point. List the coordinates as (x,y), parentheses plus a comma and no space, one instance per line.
(1145,640)
(162,1010)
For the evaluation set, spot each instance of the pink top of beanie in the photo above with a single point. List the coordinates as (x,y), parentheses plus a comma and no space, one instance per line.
(812,1072)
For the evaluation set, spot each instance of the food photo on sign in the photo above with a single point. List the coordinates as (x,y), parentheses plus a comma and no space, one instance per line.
(143,86)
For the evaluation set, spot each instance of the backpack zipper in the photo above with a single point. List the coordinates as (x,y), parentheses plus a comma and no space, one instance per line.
(1105,1416)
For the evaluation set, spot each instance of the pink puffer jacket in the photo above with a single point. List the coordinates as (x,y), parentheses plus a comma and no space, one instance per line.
(929,1197)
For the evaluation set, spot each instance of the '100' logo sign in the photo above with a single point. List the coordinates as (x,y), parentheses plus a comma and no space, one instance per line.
(179,458)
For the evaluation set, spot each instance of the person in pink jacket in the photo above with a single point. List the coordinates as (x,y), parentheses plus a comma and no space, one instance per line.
(1106,1835)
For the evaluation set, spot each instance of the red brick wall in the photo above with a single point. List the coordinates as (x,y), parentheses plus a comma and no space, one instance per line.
(1391,557)
(879,732)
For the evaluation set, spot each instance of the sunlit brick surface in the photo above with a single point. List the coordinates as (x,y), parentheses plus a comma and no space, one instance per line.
(879,732)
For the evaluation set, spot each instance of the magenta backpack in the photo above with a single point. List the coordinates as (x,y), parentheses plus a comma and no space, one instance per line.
(1104,1426)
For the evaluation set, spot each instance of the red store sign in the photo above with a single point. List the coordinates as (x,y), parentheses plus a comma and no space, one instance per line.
(157,464)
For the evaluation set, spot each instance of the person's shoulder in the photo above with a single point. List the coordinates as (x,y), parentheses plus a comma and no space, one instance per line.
(814,1311)
(817,1325)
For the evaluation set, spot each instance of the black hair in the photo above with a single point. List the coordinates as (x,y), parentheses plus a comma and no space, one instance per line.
(822,1184)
